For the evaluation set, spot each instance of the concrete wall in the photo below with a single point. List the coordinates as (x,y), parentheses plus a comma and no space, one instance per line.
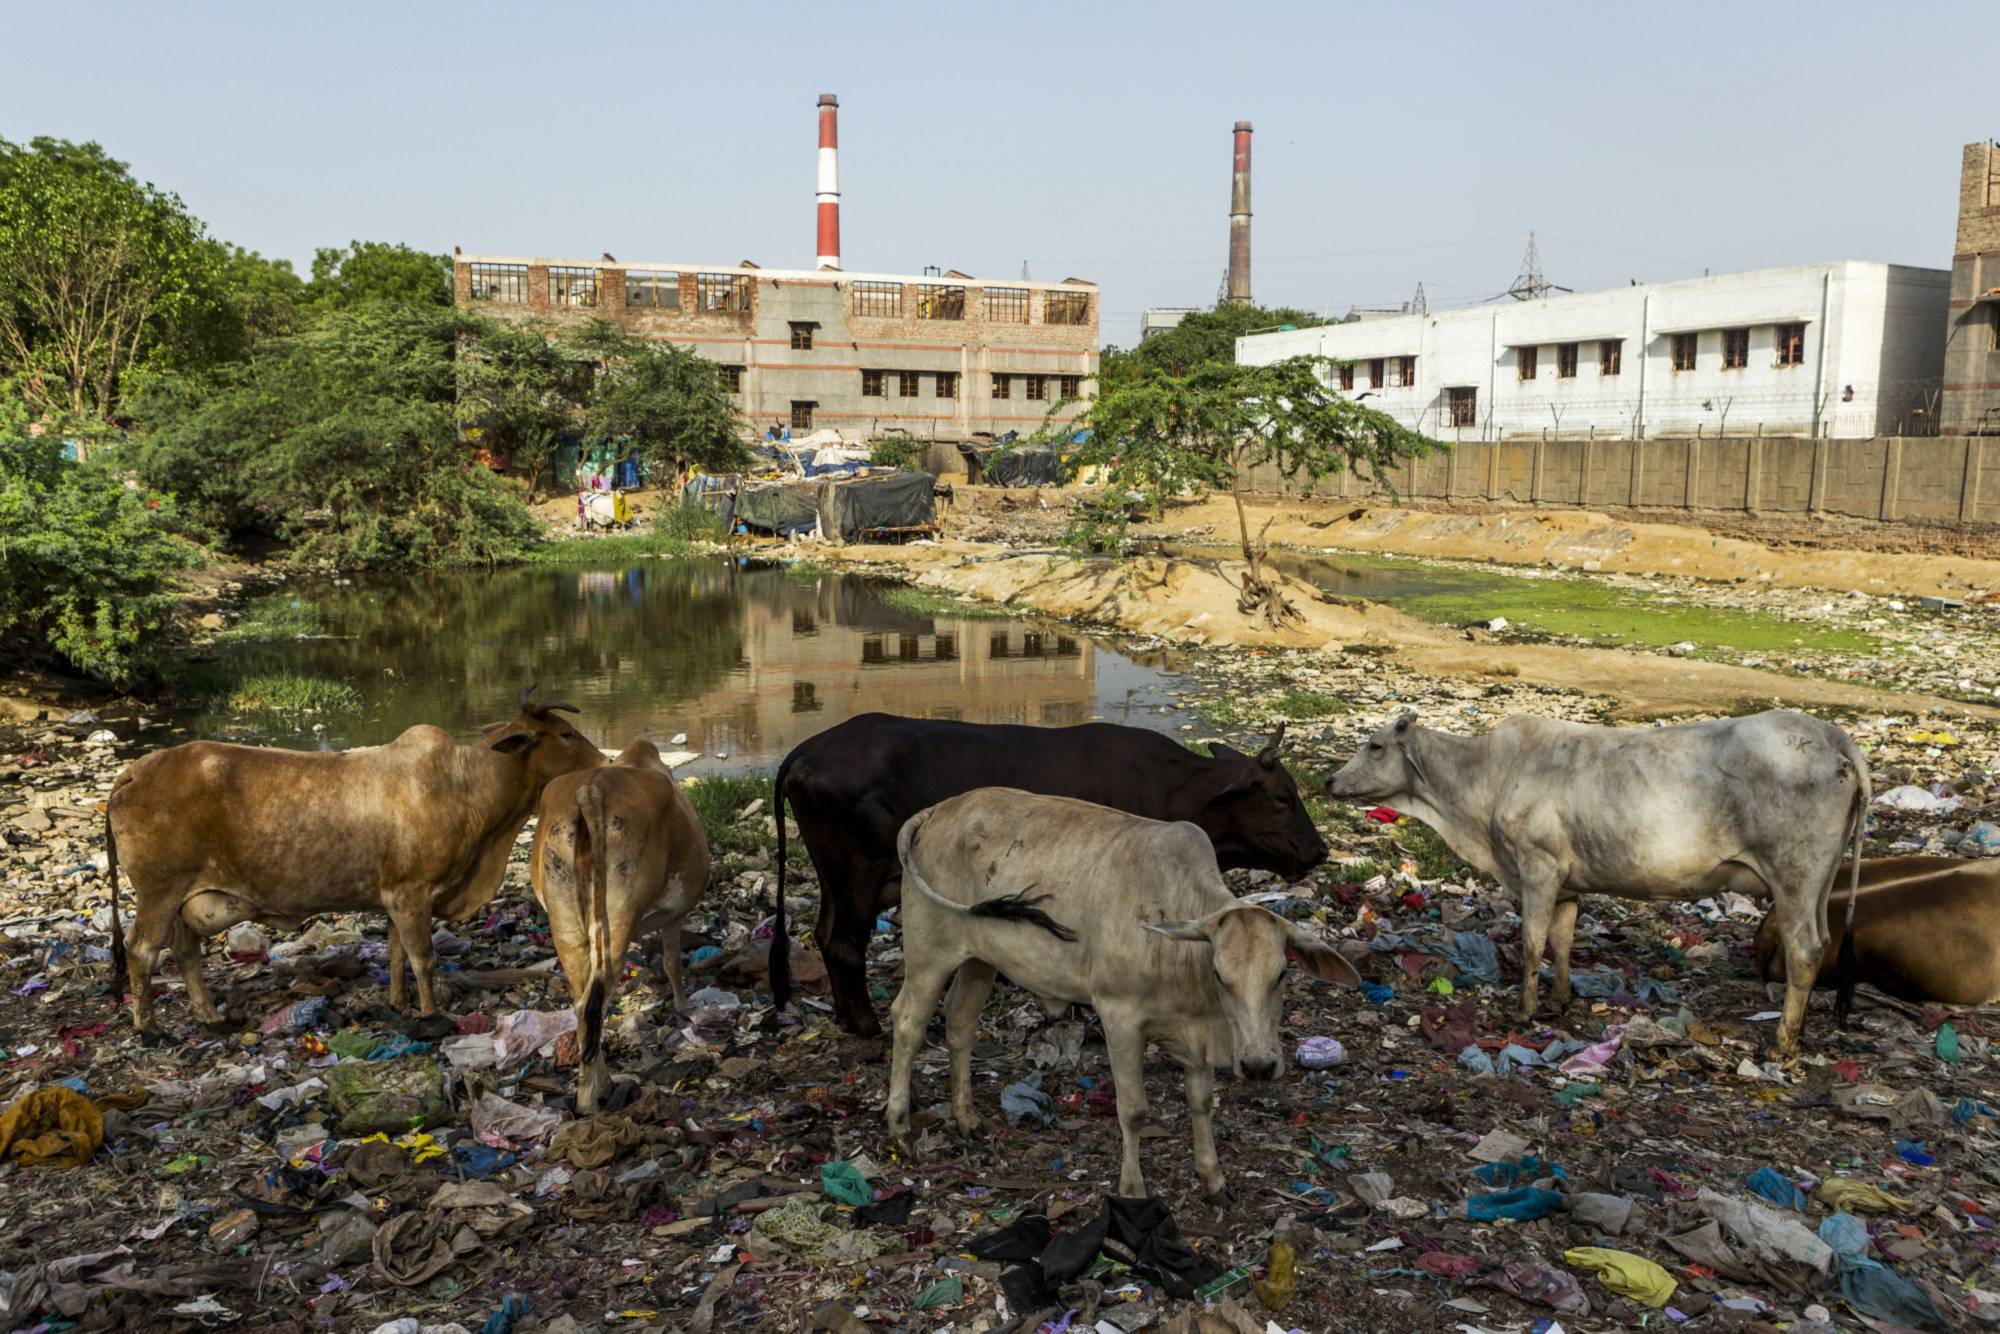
(971,352)
(1872,357)
(1926,480)
(1972,341)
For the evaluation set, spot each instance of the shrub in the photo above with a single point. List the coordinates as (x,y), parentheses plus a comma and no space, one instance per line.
(899,451)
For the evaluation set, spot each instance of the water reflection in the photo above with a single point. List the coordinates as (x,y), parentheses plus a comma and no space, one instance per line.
(746,662)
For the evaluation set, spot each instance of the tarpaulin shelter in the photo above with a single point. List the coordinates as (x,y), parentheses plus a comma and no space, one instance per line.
(778,508)
(850,510)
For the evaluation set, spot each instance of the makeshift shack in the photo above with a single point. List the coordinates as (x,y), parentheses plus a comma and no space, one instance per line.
(860,509)
(778,508)
(1002,463)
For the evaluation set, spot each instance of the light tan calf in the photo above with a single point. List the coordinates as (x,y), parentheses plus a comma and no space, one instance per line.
(619,852)
(1091,906)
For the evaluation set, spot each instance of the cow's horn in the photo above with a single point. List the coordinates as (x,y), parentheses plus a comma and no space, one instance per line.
(544,710)
(1269,755)
(526,707)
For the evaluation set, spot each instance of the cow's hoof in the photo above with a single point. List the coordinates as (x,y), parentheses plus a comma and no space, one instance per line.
(1222,1198)
(152,1037)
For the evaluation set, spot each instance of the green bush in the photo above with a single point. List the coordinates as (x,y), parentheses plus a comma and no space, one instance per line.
(275,616)
(899,451)
(88,565)
(686,522)
(292,693)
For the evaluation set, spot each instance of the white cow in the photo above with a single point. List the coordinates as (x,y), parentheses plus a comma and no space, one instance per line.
(1085,905)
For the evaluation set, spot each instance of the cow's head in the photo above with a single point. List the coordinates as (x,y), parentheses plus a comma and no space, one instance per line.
(1255,817)
(1386,767)
(1247,949)
(546,746)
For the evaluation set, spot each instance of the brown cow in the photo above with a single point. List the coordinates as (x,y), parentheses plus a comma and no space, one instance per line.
(216,834)
(618,852)
(1925,929)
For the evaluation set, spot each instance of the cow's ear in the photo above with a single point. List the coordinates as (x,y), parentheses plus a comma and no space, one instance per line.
(1322,960)
(1232,792)
(515,742)
(1220,749)
(1191,932)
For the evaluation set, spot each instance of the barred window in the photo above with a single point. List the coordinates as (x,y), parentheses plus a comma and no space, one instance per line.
(1684,351)
(1463,403)
(1791,344)
(733,377)
(1525,362)
(802,335)
(721,292)
(878,299)
(947,384)
(1347,376)
(1007,305)
(1376,375)
(1038,388)
(908,384)
(1610,356)
(1735,349)
(802,414)
(1065,307)
(646,290)
(1565,361)
(572,286)
(936,301)
(871,384)
(504,283)
(1002,388)
(1072,386)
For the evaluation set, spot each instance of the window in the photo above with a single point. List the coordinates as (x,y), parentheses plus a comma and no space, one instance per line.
(908,384)
(505,283)
(1565,361)
(947,384)
(1375,374)
(1683,351)
(1791,344)
(734,376)
(935,301)
(805,697)
(652,291)
(1038,388)
(1065,307)
(1072,386)
(1524,362)
(1610,356)
(570,286)
(1463,403)
(878,299)
(1347,376)
(1409,371)
(1007,305)
(871,384)
(1001,387)
(1735,349)
(721,292)
(802,335)
(802,414)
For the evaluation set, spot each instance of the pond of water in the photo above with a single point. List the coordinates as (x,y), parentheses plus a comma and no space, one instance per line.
(743,660)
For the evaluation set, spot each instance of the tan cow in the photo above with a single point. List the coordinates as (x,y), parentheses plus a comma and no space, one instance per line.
(1925,929)
(214,834)
(1091,906)
(619,852)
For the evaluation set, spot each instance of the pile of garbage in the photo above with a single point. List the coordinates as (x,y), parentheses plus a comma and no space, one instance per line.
(1433,1161)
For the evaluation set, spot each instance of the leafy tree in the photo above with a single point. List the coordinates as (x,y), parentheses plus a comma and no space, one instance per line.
(88,565)
(1204,336)
(341,440)
(363,271)
(671,404)
(1166,435)
(99,274)
(518,393)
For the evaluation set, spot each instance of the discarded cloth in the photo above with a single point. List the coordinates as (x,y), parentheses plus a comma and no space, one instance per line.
(1776,1187)
(51,1127)
(1765,1231)
(1025,1099)
(1847,1195)
(843,1181)
(595,1140)
(379,1168)
(1508,1171)
(501,1124)
(1521,1203)
(1624,1273)
(1901,1110)
(1870,1286)
(1607,1213)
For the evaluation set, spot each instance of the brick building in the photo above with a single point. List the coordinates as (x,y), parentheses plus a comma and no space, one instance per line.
(941,356)
(1971,401)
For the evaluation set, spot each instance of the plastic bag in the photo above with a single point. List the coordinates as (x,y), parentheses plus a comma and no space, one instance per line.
(1624,1273)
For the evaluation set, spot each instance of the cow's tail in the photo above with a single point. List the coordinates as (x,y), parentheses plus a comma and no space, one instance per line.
(593,858)
(1846,970)
(781,944)
(1017,907)
(111,879)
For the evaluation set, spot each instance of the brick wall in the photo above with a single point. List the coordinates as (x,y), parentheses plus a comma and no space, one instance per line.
(1939,482)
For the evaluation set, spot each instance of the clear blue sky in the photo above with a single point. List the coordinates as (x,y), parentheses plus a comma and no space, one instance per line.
(1395,143)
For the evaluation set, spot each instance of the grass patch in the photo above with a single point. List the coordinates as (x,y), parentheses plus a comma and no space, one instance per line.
(610,550)
(1300,705)
(1219,711)
(809,571)
(690,523)
(1435,861)
(720,799)
(276,616)
(914,601)
(291,693)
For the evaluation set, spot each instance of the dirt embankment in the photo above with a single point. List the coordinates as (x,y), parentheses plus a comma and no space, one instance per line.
(1194,603)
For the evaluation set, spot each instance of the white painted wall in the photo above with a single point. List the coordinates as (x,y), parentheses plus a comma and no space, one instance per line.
(1874,356)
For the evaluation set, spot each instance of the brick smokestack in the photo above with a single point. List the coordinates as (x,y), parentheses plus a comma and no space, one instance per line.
(829,181)
(1239,218)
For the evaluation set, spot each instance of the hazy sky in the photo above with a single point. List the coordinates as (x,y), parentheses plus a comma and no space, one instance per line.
(1395,143)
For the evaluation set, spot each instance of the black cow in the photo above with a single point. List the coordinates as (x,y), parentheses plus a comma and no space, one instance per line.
(851,788)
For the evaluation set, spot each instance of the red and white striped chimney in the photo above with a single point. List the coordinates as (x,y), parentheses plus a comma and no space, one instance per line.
(829,181)
(1239,217)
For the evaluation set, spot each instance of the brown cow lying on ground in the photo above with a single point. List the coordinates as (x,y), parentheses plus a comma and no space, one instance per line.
(619,852)
(1925,929)
(215,834)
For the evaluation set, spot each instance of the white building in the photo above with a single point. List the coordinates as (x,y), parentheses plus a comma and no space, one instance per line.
(1848,349)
